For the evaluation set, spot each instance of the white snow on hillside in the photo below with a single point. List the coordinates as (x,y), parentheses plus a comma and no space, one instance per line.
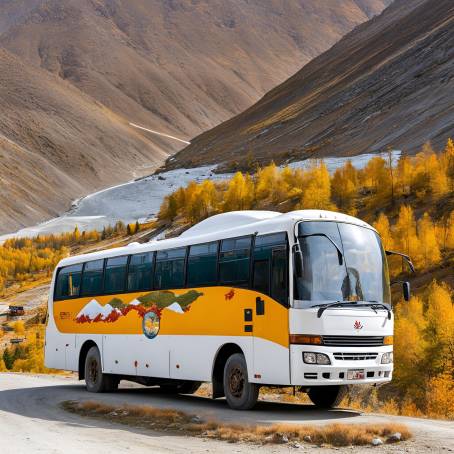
(141,199)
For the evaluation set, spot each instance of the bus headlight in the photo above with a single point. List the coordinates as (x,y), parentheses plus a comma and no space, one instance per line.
(316,358)
(387,358)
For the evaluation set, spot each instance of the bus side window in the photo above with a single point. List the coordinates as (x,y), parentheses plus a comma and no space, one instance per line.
(261,276)
(270,266)
(234,261)
(68,282)
(169,269)
(202,264)
(115,274)
(92,278)
(279,276)
(140,272)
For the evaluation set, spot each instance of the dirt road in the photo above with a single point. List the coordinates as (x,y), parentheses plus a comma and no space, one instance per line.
(32,421)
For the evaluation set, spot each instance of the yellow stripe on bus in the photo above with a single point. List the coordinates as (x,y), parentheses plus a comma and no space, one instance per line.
(210,311)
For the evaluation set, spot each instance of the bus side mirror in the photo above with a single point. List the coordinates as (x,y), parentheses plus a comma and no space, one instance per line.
(405,257)
(406,290)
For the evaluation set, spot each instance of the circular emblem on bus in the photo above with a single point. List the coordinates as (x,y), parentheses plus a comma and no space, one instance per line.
(150,324)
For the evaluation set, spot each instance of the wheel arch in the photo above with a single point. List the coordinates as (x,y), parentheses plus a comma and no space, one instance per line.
(217,374)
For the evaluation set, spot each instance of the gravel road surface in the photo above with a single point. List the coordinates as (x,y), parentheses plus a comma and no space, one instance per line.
(31,421)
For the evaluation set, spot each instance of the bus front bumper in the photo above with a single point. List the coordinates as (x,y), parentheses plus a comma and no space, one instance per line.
(349,366)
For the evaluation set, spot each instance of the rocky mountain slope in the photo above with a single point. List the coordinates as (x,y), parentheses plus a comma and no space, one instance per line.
(388,83)
(57,143)
(73,73)
(179,65)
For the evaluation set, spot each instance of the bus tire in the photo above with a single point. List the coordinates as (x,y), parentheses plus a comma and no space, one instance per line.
(95,380)
(185,387)
(327,396)
(240,394)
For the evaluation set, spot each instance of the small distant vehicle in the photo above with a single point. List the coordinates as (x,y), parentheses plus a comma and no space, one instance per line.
(16,340)
(241,300)
(16,311)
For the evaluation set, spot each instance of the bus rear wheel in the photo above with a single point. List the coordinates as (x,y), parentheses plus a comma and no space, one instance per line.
(240,394)
(95,380)
(327,396)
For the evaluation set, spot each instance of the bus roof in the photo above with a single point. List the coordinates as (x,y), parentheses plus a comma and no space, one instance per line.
(224,225)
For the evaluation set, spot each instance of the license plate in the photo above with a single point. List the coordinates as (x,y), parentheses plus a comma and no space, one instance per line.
(357,374)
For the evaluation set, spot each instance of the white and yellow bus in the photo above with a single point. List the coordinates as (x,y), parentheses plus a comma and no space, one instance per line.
(241,300)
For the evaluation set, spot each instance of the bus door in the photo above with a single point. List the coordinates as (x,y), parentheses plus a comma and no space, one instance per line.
(270,309)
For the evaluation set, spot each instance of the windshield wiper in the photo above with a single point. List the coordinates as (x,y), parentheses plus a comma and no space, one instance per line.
(374,304)
(323,307)
(340,254)
(371,304)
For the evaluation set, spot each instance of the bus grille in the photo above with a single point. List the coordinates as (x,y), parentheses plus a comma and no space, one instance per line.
(355,356)
(353,341)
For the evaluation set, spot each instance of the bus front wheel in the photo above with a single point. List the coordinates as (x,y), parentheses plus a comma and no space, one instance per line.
(240,394)
(95,380)
(327,396)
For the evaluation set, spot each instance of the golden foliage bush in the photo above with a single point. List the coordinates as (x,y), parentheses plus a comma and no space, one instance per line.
(19,327)
(440,396)
(27,356)
(147,417)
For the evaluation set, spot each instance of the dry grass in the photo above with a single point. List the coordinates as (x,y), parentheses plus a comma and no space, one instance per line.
(178,421)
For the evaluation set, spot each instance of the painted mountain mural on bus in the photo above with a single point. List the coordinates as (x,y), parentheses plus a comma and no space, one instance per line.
(153,302)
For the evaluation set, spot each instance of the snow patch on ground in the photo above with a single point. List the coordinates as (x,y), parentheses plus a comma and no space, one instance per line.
(141,199)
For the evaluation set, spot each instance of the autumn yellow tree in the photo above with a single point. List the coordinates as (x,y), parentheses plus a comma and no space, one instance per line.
(316,190)
(344,186)
(440,396)
(440,330)
(32,359)
(169,208)
(447,159)
(267,180)
(429,248)
(438,178)
(376,176)
(239,194)
(384,229)
(406,235)
(410,348)
(429,174)
(450,232)
(444,229)
(287,179)
(405,175)
(76,233)
(207,199)
(19,327)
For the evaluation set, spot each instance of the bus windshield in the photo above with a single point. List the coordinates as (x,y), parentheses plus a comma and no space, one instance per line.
(341,262)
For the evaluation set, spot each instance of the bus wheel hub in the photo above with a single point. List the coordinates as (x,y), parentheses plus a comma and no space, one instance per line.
(93,370)
(236,382)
